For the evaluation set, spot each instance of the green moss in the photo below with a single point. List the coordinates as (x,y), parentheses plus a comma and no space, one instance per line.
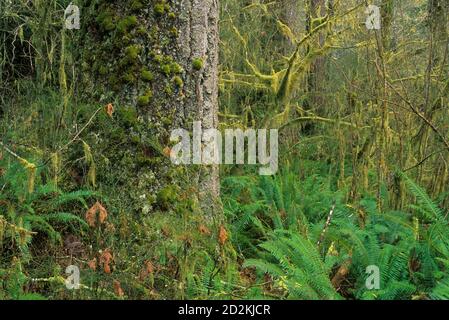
(129,77)
(126,24)
(124,42)
(178,81)
(146,75)
(168,90)
(135,139)
(108,24)
(167,121)
(176,68)
(132,52)
(174,32)
(166,69)
(158,58)
(167,196)
(141,30)
(145,99)
(159,9)
(172,15)
(197,63)
(128,116)
(113,79)
(136,5)
(106,20)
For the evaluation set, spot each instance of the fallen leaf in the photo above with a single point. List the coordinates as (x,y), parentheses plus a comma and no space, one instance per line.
(92,264)
(91,214)
(149,267)
(110,109)
(103,213)
(167,151)
(222,235)
(106,259)
(146,270)
(204,230)
(118,289)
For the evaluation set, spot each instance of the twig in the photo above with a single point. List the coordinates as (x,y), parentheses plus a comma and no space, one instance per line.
(326,226)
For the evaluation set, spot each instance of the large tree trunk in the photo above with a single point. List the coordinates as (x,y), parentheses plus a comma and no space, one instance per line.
(159,58)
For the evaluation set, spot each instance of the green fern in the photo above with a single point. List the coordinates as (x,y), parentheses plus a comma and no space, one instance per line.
(296,264)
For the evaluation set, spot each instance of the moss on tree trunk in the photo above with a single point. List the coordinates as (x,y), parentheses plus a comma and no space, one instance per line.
(157,62)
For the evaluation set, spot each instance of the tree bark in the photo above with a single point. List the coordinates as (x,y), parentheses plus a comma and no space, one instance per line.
(317,8)
(199,40)
(290,16)
(387,12)
(160,60)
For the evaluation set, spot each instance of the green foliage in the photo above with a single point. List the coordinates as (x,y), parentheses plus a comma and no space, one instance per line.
(409,252)
(334,208)
(297,266)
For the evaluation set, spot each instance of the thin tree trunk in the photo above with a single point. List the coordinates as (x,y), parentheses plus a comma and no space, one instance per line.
(290,16)
(317,8)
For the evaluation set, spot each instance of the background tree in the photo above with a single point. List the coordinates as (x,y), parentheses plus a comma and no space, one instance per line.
(316,11)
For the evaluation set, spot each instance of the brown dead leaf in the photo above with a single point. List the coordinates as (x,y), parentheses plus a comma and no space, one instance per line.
(167,152)
(341,274)
(106,260)
(91,214)
(110,109)
(147,269)
(103,213)
(118,289)
(222,235)
(92,264)
(204,230)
